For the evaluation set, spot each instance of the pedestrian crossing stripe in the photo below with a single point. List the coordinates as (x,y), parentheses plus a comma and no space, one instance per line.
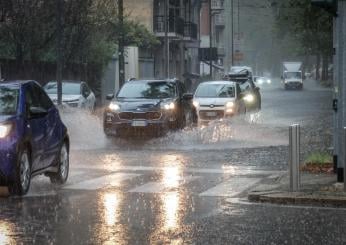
(158,187)
(231,187)
(112,180)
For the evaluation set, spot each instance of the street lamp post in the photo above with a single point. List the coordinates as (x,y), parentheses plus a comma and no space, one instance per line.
(121,43)
(210,39)
(59,47)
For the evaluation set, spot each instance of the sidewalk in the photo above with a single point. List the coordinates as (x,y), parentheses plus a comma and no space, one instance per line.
(316,189)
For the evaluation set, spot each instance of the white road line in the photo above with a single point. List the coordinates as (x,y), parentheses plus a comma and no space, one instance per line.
(231,187)
(227,170)
(157,187)
(112,180)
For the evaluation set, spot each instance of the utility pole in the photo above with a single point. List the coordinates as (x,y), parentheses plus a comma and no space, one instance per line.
(166,48)
(210,39)
(59,47)
(232,32)
(121,43)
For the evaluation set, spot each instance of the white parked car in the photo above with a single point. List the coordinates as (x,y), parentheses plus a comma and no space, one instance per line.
(74,94)
(217,100)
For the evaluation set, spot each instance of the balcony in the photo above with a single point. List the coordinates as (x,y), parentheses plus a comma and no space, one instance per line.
(190,31)
(217,5)
(219,20)
(176,27)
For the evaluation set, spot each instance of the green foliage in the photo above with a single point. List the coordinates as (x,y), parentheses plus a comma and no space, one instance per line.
(310,26)
(90,31)
(319,158)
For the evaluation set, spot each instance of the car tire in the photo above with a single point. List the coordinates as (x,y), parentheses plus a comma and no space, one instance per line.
(22,180)
(63,164)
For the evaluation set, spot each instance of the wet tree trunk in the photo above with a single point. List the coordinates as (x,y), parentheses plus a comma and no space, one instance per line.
(325,68)
(318,66)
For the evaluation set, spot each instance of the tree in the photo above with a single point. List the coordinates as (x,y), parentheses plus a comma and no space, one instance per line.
(311,27)
(28,32)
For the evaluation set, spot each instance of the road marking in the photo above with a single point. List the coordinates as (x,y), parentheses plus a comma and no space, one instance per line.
(112,180)
(226,170)
(157,187)
(231,187)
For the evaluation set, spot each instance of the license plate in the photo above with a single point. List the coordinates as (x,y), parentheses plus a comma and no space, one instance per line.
(139,123)
(211,114)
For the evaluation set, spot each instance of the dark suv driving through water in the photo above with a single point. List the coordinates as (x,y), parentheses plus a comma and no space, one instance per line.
(149,107)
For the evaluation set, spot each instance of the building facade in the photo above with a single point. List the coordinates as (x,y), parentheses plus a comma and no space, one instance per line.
(176,24)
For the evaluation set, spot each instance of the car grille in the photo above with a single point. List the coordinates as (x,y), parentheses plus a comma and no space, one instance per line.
(204,114)
(152,115)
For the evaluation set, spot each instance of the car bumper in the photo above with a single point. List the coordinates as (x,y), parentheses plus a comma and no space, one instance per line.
(208,115)
(113,125)
(8,158)
(293,85)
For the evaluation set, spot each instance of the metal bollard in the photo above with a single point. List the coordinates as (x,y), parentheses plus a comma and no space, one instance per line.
(294,157)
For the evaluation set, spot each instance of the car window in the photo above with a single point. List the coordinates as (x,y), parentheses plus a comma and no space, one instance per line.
(149,90)
(8,100)
(36,97)
(215,90)
(67,88)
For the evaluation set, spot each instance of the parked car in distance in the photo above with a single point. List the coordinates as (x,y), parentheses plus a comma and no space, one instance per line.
(33,139)
(74,94)
(149,107)
(251,92)
(215,100)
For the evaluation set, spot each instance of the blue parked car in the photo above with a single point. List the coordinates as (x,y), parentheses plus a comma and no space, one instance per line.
(33,139)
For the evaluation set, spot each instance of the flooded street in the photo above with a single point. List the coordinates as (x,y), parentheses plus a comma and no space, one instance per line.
(188,187)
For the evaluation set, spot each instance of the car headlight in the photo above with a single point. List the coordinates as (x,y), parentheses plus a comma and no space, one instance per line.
(195,103)
(5,129)
(249,98)
(269,81)
(260,81)
(168,106)
(229,104)
(114,106)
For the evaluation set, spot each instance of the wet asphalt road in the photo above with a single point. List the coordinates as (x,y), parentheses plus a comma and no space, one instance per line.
(186,188)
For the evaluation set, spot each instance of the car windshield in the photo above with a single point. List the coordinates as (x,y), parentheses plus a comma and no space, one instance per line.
(67,88)
(215,90)
(8,100)
(293,75)
(148,90)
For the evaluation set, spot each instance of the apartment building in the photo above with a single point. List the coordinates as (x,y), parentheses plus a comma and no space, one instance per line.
(176,24)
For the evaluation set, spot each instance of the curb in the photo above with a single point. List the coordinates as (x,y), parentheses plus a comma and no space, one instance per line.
(300,198)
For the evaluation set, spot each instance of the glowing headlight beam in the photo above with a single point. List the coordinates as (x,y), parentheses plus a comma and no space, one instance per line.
(169,106)
(196,104)
(229,104)
(114,106)
(249,98)
(5,129)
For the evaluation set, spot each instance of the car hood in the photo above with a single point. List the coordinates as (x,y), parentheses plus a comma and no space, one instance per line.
(214,101)
(65,98)
(141,105)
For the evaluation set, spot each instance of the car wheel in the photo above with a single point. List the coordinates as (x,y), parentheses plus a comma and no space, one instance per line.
(22,181)
(61,176)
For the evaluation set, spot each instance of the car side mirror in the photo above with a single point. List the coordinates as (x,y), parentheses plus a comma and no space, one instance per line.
(188,96)
(37,112)
(109,96)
